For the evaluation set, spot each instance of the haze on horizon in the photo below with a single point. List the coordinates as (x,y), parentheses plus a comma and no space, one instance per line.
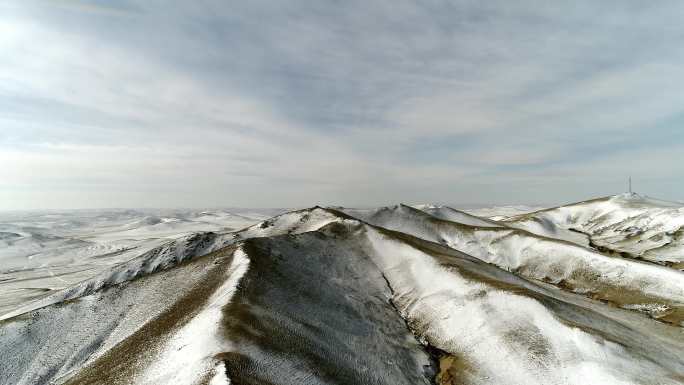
(276,104)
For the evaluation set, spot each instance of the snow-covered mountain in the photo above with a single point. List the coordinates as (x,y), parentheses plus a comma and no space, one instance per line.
(629,225)
(395,295)
(653,289)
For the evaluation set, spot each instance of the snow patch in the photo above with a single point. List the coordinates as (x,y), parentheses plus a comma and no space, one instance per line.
(652,309)
(220,377)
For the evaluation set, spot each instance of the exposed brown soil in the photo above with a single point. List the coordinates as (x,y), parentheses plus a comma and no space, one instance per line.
(452,370)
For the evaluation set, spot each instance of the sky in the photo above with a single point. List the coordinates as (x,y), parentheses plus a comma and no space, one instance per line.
(358,103)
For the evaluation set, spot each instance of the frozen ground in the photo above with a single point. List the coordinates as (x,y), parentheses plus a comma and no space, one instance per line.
(395,295)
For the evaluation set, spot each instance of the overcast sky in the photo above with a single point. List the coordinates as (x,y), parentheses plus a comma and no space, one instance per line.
(272,103)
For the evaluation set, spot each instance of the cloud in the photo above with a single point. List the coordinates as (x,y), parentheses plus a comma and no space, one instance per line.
(279,104)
